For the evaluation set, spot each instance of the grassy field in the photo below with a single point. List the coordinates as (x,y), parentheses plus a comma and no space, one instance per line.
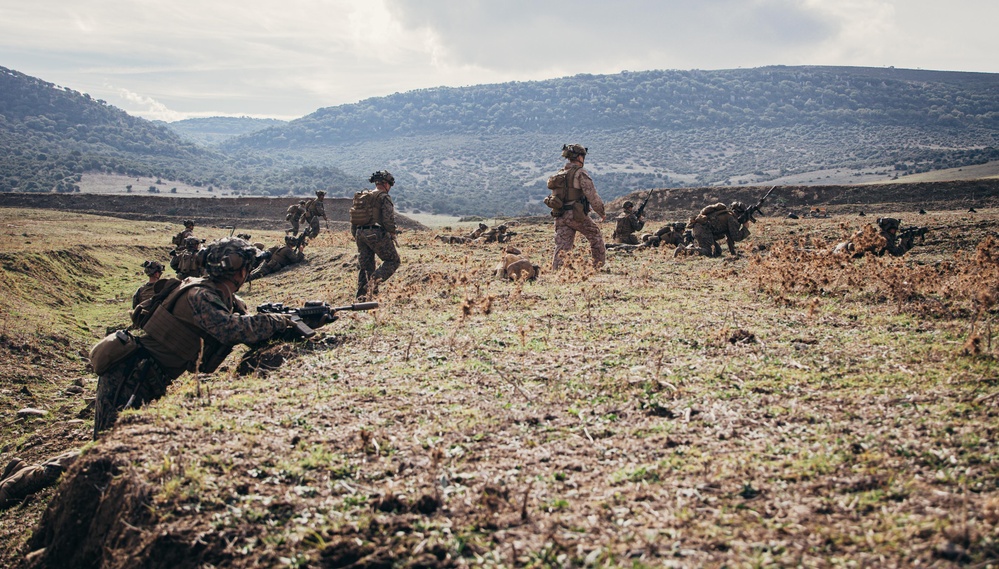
(782,408)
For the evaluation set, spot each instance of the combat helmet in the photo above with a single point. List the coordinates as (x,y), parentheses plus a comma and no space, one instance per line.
(151,268)
(737,207)
(290,240)
(189,223)
(629,204)
(222,258)
(382,176)
(320,193)
(572,151)
(889,224)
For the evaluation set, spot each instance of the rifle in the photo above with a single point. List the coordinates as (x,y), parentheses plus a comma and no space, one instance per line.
(910,233)
(314,311)
(756,208)
(641,208)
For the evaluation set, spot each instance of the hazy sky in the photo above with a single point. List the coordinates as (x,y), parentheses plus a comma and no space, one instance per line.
(175,59)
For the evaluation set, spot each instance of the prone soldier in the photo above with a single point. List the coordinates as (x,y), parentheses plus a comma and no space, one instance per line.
(197,321)
(288,254)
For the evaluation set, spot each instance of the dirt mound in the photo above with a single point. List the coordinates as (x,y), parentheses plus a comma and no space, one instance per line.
(253,213)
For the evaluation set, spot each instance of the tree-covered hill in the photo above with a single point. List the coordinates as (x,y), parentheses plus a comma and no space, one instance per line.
(215,130)
(53,135)
(489,148)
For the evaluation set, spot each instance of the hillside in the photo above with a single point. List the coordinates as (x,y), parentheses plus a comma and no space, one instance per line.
(52,135)
(212,131)
(488,149)
(786,407)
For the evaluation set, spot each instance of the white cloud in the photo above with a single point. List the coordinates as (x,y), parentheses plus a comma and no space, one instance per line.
(265,58)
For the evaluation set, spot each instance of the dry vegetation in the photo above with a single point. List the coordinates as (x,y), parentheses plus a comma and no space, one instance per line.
(784,408)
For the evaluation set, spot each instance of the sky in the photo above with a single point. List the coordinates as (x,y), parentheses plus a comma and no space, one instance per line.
(177,59)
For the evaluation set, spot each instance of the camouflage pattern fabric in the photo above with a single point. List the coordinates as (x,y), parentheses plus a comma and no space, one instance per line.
(178,240)
(566,228)
(145,375)
(370,243)
(627,225)
(186,264)
(144,292)
(21,480)
(281,258)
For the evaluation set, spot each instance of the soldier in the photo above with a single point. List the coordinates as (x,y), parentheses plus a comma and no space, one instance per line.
(178,239)
(713,223)
(575,201)
(294,215)
(879,241)
(153,270)
(187,262)
(514,266)
(290,254)
(671,234)
(627,224)
(19,480)
(313,211)
(199,321)
(499,234)
(476,233)
(372,223)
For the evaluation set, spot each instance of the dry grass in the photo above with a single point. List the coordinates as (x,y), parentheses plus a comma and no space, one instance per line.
(783,408)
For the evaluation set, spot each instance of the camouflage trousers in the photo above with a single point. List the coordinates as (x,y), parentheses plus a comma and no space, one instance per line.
(626,239)
(313,230)
(565,238)
(294,226)
(21,480)
(131,382)
(370,243)
(704,242)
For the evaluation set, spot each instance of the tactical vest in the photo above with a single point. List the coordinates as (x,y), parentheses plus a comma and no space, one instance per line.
(294,212)
(564,193)
(188,263)
(172,324)
(366,208)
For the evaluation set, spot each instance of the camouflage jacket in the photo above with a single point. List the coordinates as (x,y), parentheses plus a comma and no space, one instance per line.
(627,223)
(204,316)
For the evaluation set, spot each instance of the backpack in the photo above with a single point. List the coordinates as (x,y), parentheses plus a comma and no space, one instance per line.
(364,209)
(559,185)
(161,290)
(294,211)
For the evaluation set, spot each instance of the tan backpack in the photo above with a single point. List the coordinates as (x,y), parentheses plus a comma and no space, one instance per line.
(561,186)
(364,210)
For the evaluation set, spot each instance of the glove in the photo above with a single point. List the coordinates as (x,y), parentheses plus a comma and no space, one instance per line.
(319,320)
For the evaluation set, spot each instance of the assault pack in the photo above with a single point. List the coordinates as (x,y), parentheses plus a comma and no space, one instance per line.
(364,210)
(161,290)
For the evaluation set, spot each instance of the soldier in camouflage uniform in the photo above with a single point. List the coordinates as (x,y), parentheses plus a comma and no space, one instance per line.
(187,262)
(153,270)
(515,266)
(715,222)
(289,254)
(671,234)
(376,238)
(200,321)
(313,211)
(879,241)
(462,239)
(499,234)
(574,216)
(19,479)
(627,224)
(178,239)
(294,216)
